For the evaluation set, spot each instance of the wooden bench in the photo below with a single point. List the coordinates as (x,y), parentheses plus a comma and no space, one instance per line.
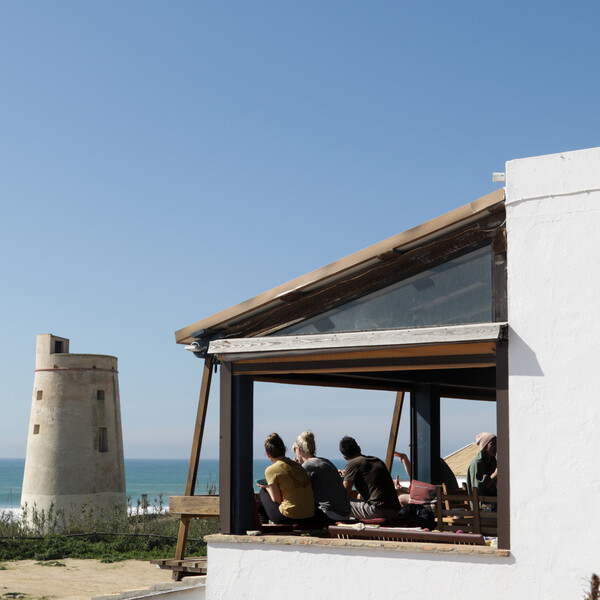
(186,508)
(406,534)
(459,511)
(203,507)
(185,567)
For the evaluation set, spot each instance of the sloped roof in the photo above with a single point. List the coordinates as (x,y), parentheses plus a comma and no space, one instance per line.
(353,275)
(460,460)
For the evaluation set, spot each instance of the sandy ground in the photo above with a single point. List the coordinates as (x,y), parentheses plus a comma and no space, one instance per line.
(77,580)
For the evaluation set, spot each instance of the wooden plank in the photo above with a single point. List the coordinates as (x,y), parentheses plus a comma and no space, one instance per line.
(182,536)
(389,458)
(378,381)
(197,506)
(444,223)
(363,366)
(235,348)
(406,535)
(375,353)
(190,484)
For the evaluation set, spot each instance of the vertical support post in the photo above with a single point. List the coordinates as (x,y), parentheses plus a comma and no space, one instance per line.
(225,430)
(242,454)
(389,457)
(502,423)
(190,485)
(425,433)
(235,453)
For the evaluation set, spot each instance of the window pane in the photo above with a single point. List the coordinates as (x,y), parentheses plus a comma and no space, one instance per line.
(456,292)
(102,439)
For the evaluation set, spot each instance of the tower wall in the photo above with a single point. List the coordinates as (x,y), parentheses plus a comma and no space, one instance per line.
(75,443)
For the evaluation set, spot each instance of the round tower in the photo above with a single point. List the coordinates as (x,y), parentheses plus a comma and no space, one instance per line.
(75,443)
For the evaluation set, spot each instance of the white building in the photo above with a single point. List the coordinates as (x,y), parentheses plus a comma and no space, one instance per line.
(494,301)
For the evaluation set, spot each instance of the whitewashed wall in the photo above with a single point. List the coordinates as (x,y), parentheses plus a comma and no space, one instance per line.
(553,228)
(249,571)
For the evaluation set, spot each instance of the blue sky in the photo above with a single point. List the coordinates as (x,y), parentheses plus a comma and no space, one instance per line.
(161,161)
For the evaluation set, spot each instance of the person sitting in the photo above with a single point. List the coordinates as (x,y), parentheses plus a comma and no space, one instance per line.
(329,493)
(288,496)
(483,471)
(373,482)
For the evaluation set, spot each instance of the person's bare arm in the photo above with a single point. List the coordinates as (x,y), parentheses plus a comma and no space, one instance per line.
(352,493)
(404,460)
(274,492)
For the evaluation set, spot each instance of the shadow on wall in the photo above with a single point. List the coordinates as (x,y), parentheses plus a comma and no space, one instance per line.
(527,363)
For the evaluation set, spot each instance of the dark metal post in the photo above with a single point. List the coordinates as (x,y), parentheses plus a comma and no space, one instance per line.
(242,424)
(503,444)
(225,432)
(425,433)
(235,452)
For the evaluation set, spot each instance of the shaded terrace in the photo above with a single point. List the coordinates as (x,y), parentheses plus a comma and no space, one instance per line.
(422,312)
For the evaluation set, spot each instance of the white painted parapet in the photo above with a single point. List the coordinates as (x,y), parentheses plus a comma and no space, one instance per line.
(75,443)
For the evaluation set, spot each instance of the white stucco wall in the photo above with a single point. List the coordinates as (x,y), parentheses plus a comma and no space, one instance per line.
(246,571)
(553,232)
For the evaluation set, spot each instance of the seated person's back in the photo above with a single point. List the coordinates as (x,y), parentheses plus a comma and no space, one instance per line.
(373,481)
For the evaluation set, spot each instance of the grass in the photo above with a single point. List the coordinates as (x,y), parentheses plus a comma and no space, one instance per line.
(108,536)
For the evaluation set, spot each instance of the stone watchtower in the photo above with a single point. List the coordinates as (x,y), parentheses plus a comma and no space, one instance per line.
(75,444)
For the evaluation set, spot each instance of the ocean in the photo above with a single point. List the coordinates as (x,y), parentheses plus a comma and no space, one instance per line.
(154,477)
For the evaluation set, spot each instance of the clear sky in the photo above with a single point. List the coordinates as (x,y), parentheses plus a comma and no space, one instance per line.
(161,161)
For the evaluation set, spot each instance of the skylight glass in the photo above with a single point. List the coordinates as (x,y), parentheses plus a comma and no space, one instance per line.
(456,292)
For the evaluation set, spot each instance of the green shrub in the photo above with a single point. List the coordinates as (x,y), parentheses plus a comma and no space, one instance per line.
(108,536)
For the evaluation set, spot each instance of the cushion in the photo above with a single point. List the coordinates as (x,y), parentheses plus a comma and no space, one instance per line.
(421,492)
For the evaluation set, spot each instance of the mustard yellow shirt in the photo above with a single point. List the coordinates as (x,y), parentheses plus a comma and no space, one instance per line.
(296,491)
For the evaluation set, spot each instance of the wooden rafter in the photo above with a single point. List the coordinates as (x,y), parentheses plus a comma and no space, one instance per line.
(389,457)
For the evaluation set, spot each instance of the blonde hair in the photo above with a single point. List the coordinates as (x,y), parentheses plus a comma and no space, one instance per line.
(306,442)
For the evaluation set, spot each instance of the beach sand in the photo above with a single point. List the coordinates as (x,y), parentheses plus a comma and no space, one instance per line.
(77,580)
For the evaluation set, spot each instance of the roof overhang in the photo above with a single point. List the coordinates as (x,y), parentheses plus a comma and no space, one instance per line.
(255,316)
(388,342)
(460,359)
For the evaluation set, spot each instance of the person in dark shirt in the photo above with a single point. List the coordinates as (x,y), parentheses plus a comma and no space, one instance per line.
(375,492)
(483,470)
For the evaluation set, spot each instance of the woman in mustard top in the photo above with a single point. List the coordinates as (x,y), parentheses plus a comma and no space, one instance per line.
(288,495)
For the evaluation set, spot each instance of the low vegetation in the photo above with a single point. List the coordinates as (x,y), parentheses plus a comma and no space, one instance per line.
(594,592)
(141,533)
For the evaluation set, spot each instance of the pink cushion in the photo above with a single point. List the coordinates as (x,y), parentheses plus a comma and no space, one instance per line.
(421,492)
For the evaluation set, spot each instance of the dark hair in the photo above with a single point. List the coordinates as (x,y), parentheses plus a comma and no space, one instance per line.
(274,446)
(349,447)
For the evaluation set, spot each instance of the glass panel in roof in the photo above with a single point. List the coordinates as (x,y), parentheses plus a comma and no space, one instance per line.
(456,292)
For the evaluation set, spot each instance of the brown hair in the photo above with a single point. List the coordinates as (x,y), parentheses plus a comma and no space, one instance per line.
(274,446)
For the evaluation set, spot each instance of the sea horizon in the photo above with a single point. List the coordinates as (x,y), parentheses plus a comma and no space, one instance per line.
(156,478)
